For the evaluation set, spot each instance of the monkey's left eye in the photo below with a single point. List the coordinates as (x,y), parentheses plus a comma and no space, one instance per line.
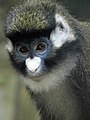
(41,47)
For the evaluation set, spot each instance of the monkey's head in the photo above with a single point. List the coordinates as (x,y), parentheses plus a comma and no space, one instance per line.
(42,42)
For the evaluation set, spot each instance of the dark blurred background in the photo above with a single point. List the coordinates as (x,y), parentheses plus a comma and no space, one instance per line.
(80,9)
(15,104)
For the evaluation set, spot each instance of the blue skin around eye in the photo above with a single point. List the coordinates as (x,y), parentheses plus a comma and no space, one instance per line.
(42,54)
(20,56)
(45,53)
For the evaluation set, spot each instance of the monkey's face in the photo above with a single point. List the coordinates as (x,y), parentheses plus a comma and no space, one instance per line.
(29,56)
(41,41)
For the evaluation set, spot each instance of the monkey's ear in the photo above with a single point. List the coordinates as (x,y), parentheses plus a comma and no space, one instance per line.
(62,33)
(9,46)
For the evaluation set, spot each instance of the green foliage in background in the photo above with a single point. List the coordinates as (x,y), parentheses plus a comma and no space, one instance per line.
(2,80)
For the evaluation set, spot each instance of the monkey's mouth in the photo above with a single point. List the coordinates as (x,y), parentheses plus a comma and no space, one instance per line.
(37,74)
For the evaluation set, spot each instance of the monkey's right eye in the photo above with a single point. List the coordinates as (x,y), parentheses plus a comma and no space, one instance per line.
(23,50)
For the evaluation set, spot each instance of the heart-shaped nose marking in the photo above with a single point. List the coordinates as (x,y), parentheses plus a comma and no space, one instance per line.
(33,64)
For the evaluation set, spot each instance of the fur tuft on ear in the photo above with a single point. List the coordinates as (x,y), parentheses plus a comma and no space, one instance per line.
(62,33)
(9,46)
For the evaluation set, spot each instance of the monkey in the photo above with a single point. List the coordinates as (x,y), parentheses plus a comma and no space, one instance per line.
(48,49)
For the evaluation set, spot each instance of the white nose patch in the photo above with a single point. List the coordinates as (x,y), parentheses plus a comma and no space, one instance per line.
(33,64)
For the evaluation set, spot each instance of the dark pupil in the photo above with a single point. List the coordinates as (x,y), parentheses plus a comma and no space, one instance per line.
(41,47)
(23,50)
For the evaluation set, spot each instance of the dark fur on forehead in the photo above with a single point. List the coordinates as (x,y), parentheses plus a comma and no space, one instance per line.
(26,36)
(31,15)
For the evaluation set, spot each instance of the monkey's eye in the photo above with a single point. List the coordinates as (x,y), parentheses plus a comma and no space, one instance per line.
(23,49)
(41,47)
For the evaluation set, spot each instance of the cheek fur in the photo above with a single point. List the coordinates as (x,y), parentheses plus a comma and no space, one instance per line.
(18,64)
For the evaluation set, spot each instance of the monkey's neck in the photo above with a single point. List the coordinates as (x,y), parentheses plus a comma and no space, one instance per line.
(57,104)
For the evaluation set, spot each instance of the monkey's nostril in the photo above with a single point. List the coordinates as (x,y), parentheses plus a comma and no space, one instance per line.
(36,69)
